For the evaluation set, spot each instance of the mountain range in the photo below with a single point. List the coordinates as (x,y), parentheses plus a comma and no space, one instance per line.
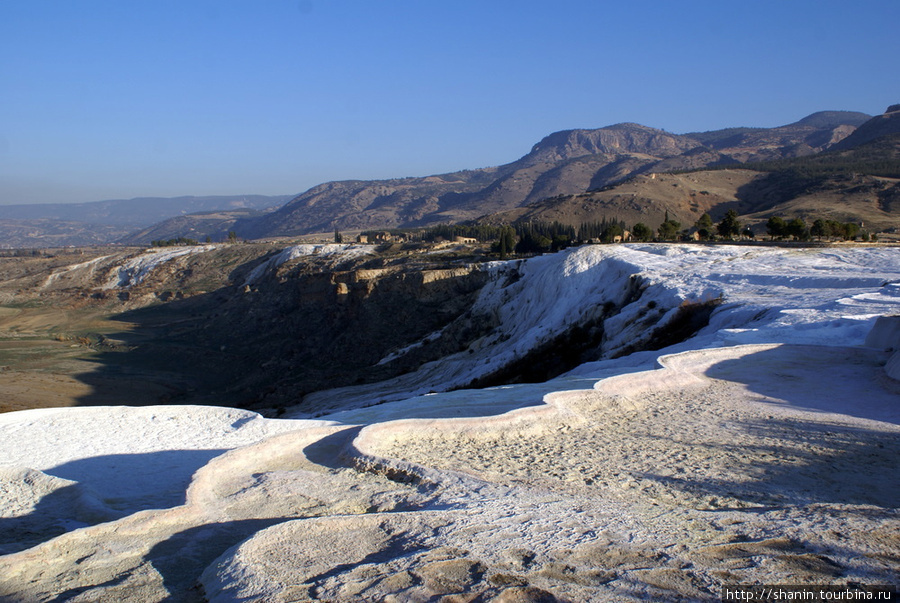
(858,185)
(98,222)
(572,175)
(564,163)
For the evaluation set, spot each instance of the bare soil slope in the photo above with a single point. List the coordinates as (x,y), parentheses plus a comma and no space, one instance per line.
(63,341)
(643,199)
(196,329)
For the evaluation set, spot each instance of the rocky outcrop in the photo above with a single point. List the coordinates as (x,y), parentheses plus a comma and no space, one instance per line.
(880,125)
(619,139)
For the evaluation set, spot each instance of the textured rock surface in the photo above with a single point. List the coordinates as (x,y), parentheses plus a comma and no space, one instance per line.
(662,484)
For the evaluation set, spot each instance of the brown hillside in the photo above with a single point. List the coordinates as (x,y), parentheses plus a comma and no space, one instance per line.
(870,201)
(756,196)
(880,125)
(643,199)
(564,163)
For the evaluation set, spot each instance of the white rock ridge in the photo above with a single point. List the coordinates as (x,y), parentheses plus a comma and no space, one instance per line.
(134,270)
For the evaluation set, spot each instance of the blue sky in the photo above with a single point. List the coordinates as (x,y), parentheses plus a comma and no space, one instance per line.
(116,99)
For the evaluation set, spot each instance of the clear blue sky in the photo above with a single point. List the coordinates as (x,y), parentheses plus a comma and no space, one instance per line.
(119,99)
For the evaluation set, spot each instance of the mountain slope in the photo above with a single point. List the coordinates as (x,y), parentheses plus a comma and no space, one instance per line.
(860,185)
(356,204)
(564,163)
(646,198)
(214,225)
(880,125)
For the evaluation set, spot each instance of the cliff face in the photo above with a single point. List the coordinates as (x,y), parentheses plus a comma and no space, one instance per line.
(306,328)
(618,139)
(880,125)
(275,326)
(232,325)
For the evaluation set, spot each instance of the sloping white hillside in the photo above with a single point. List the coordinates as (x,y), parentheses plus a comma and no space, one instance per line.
(133,271)
(768,295)
(338,250)
(764,449)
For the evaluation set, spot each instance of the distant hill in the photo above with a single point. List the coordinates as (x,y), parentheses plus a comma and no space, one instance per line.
(138,212)
(214,226)
(62,224)
(48,232)
(860,185)
(569,162)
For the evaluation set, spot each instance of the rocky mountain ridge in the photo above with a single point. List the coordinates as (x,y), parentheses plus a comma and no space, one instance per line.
(880,125)
(564,163)
(813,133)
(830,186)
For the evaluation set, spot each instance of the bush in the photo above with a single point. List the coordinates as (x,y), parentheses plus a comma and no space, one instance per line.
(174,242)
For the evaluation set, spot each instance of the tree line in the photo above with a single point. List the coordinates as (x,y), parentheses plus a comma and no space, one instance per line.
(524,238)
(529,238)
(176,242)
(539,237)
(182,241)
(796,228)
